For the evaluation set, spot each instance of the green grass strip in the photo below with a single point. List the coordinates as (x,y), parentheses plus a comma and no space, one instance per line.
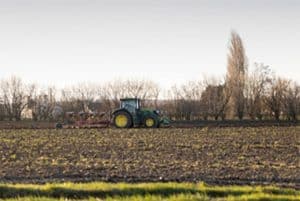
(143,191)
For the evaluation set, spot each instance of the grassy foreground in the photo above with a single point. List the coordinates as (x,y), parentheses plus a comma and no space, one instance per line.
(143,191)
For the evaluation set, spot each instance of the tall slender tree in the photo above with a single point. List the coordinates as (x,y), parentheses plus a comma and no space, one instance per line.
(237,66)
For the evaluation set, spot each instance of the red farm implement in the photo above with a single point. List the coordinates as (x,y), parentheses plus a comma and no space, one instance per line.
(84,120)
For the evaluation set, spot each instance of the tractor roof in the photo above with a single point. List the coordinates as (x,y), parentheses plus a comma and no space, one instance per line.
(128,99)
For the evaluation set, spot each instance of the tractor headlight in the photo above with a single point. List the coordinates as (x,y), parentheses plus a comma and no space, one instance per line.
(157,112)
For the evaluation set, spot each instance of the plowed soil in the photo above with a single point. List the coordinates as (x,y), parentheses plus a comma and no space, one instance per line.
(214,155)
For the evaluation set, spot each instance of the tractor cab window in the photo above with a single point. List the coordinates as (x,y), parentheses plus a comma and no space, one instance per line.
(130,105)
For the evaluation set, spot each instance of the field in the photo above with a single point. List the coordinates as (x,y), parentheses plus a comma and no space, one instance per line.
(213,155)
(220,157)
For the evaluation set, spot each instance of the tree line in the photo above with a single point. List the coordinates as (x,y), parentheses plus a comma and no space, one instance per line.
(256,93)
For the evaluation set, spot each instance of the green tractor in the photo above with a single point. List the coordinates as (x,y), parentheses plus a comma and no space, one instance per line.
(131,114)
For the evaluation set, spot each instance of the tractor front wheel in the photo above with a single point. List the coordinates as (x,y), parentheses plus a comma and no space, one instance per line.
(151,122)
(122,120)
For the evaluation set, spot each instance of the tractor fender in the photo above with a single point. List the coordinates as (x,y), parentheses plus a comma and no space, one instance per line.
(121,109)
(151,113)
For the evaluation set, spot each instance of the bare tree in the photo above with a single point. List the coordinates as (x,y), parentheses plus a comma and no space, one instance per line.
(144,89)
(15,95)
(274,98)
(84,94)
(79,98)
(186,100)
(112,92)
(256,84)
(42,104)
(214,100)
(236,75)
(291,101)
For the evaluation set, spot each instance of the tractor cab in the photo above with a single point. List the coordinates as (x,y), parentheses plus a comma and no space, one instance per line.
(130,104)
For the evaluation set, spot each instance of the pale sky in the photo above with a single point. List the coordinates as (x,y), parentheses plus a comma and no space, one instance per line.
(62,42)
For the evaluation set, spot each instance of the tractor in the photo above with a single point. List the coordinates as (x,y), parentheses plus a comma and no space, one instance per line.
(130,114)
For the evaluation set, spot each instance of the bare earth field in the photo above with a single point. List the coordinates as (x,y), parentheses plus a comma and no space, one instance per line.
(268,155)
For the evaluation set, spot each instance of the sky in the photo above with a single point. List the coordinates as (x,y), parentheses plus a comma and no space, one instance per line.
(64,42)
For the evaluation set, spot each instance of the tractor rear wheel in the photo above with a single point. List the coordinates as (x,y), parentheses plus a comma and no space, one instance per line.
(151,122)
(122,120)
